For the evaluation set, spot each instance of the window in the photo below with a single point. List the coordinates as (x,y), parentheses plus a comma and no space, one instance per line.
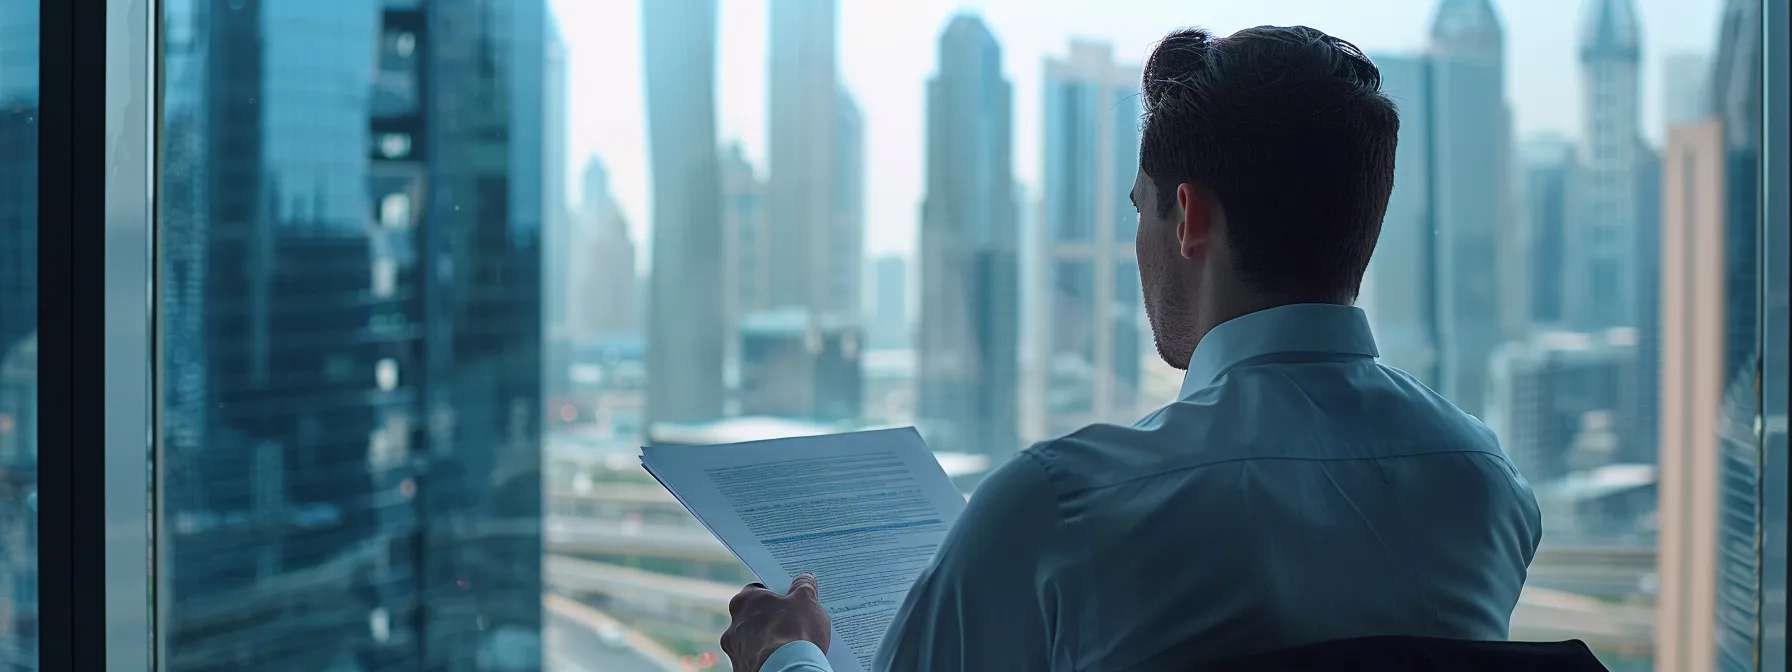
(18,334)
(426,275)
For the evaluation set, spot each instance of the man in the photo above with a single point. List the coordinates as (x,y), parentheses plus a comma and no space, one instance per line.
(1296,492)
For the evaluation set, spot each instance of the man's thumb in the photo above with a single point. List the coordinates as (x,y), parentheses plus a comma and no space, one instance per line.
(803,586)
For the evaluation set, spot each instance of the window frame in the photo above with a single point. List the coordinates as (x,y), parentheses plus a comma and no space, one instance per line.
(94,322)
(1775,239)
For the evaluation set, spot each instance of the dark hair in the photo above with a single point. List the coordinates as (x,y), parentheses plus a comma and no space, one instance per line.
(1288,127)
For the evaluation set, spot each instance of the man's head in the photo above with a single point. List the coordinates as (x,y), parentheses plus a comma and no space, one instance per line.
(1265,164)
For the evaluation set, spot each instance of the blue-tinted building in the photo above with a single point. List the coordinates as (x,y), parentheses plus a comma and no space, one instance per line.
(19,27)
(969,336)
(1094,312)
(1471,196)
(1546,169)
(1398,292)
(686,320)
(1601,252)
(352,328)
(889,323)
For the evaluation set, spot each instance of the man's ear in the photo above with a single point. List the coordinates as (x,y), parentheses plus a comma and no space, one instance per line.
(1195,207)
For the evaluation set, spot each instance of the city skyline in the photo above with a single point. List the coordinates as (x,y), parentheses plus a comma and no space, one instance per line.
(880,63)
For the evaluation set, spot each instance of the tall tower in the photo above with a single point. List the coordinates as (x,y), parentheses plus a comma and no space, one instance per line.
(970,251)
(351,436)
(1602,285)
(1710,366)
(1093,308)
(685,322)
(804,153)
(605,297)
(1398,290)
(1478,285)
(1547,167)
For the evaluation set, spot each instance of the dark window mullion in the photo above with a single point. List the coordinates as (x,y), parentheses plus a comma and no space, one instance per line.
(71,334)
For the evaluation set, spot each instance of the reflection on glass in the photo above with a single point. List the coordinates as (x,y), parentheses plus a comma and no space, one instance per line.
(351,233)
(18,334)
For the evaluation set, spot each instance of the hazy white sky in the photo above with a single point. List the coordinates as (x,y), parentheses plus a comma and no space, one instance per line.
(888,51)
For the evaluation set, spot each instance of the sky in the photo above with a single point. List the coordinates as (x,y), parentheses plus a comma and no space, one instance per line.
(888,50)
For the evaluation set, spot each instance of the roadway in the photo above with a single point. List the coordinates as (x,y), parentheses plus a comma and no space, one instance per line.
(579,638)
(1541,615)
(1599,571)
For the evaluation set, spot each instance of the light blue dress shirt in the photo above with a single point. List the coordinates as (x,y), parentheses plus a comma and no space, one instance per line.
(1296,492)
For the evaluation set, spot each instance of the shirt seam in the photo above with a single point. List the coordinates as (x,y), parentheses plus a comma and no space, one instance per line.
(1501,458)
(1073,648)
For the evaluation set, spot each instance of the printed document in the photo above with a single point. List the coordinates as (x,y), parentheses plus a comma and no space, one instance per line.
(862,511)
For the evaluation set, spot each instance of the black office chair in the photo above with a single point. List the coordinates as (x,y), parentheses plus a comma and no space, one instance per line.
(1420,654)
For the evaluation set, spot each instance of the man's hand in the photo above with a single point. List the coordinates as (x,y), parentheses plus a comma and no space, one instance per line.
(763,621)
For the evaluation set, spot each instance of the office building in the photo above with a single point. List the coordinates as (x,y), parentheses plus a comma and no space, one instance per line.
(1547,168)
(750,257)
(1644,396)
(1093,310)
(1685,95)
(685,318)
(604,300)
(844,265)
(813,129)
(1398,292)
(559,255)
(969,333)
(19,28)
(1695,371)
(1710,457)
(889,324)
(1479,287)
(796,366)
(1547,391)
(357,415)
(1600,285)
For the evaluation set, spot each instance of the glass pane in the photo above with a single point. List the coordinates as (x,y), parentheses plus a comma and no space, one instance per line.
(350,236)
(431,273)
(1552,158)
(18,333)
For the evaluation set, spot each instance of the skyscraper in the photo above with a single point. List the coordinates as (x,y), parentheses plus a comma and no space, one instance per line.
(352,326)
(1685,95)
(845,262)
(19,28)
(1398,291)
(604,296)
(1094,312)
(1478,286)
(748,258)
(1547,167)
(970,251)
(685,322)
(1709,389)
(558,252)
(807,183)
(889,322)
(1601,245)
(1695,560)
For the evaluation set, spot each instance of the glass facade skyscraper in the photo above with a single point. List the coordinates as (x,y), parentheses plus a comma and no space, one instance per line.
(970,252)
(1094,314)
(351,443)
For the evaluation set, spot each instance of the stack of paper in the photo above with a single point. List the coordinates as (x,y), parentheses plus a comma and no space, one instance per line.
(863,512)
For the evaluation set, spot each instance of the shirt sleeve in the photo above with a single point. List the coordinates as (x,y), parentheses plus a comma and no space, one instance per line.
(977,605)
(798,656)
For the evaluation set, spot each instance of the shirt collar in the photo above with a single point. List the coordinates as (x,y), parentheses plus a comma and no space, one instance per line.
(1299,327)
